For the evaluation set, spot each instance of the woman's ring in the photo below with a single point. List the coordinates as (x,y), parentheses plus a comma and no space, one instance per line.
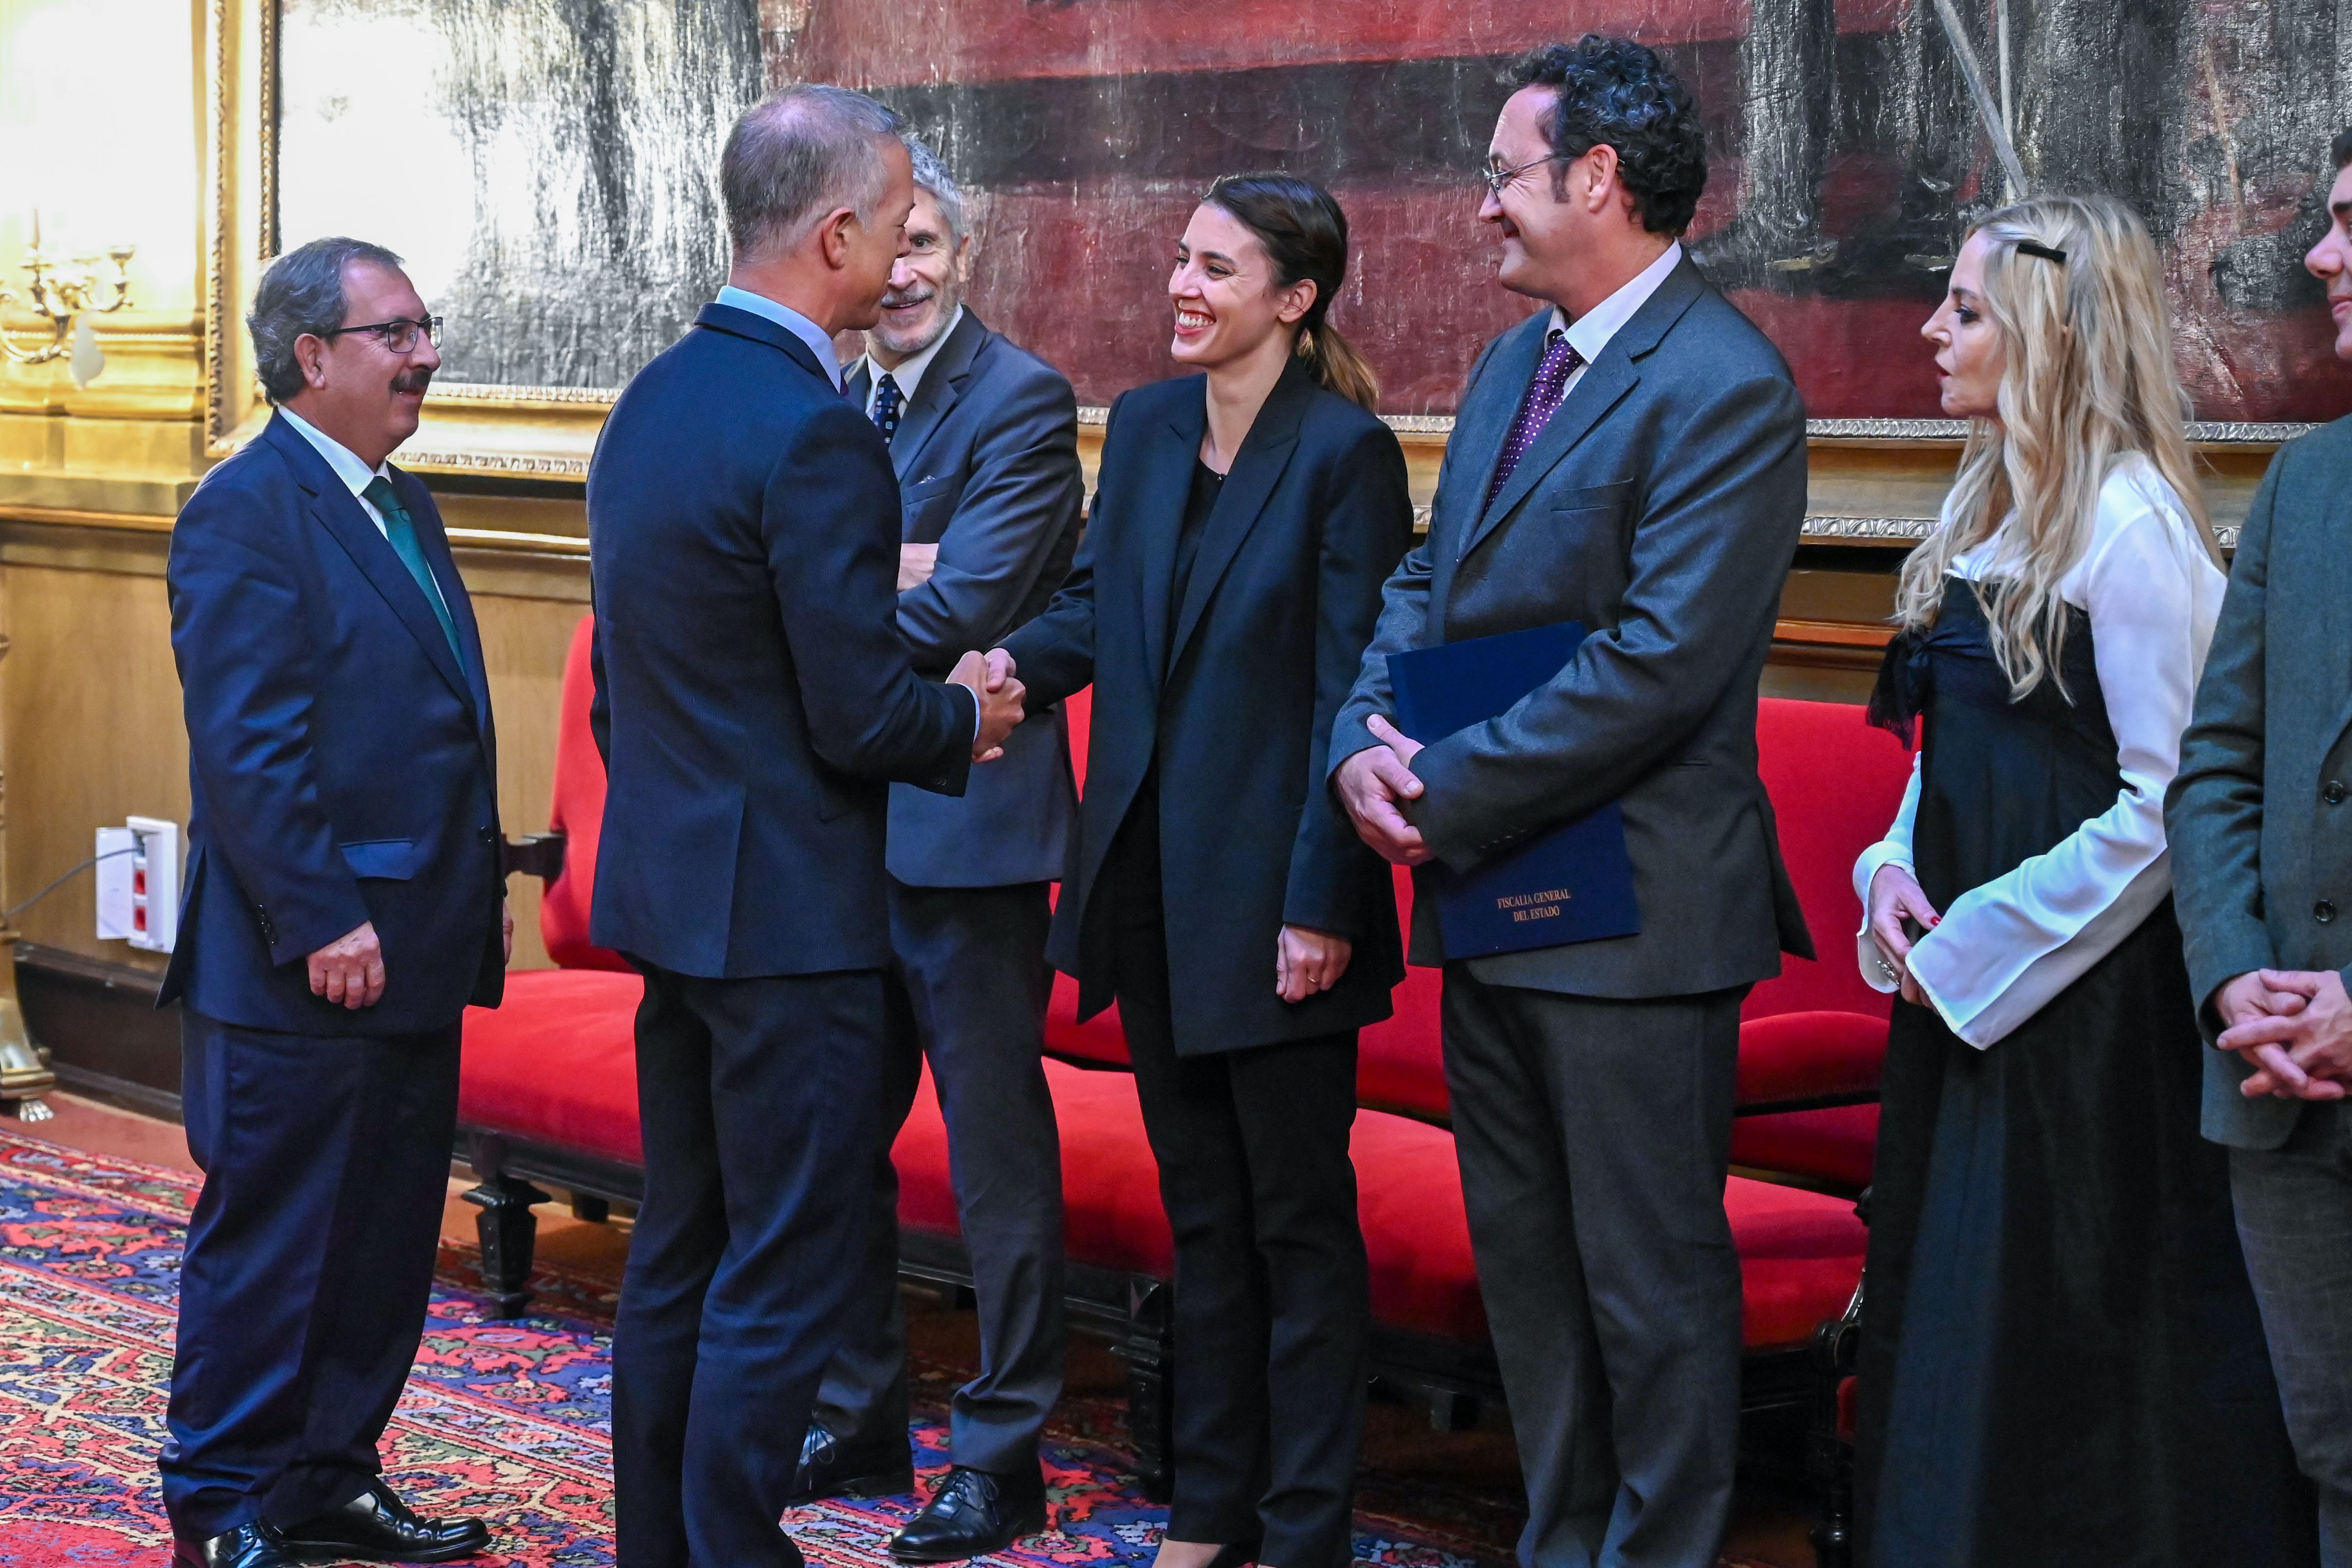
(1888,970)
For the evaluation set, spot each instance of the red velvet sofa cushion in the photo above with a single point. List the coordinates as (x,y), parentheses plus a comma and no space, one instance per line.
(557,1061)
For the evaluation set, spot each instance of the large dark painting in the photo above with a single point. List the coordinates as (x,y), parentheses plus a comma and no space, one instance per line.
(563,206)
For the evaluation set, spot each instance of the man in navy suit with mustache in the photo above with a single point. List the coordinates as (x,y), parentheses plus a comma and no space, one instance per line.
(343,906)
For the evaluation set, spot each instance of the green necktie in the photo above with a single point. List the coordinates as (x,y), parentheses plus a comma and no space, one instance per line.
(401,529)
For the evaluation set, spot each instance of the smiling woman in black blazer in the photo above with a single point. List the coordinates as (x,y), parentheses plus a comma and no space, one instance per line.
(1245,520)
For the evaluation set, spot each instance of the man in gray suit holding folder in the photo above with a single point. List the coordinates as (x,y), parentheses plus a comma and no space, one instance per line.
(1632,458)
(985,439)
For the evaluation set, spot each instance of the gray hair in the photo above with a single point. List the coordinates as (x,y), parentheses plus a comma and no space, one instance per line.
(798,155)
(932,176)
(302,293)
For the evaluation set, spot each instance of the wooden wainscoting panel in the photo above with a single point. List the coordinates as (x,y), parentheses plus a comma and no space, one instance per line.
(90,706)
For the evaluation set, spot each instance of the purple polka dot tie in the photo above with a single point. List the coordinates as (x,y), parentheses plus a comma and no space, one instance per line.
(1544,393)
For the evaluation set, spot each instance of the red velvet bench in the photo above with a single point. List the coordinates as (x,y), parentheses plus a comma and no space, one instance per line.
(549,1096)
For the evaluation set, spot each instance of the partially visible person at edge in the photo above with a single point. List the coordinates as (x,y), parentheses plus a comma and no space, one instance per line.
(2062,1361)
(343,906)
(1227,587)
(2262,856)
(1631,457)
(753,700)
(985,439)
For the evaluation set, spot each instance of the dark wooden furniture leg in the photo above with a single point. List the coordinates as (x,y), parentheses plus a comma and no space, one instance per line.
(508,1228)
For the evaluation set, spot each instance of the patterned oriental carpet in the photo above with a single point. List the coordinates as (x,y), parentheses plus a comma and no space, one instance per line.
(505,1419)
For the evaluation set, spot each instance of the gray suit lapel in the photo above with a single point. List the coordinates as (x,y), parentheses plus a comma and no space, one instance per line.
(1598,390)
(1601,388)
(941,387)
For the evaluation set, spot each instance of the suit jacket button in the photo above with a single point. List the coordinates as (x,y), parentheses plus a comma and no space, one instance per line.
(2334,793)
(2323,912)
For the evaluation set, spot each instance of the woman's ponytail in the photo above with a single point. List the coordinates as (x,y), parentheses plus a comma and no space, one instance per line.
(1339,367)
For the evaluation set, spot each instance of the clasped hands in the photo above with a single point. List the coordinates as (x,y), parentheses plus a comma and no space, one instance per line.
(1374,784)
(989,678)
(2293,1027)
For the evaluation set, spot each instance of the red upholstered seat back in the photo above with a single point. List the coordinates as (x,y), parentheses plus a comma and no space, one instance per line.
(577,813)
(1836,784)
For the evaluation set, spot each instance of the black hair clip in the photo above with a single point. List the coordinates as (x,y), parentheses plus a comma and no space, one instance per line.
(2047,253)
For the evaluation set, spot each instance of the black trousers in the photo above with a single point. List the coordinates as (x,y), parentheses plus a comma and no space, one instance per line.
(308,1265)
(967,989)
(759,1102)
(1273,1318)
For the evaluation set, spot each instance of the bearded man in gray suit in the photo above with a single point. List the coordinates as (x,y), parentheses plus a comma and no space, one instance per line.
(2261,836)
(1632,458)
(984,437)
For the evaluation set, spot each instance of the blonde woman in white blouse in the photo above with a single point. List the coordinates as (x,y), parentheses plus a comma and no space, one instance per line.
(2062,1361)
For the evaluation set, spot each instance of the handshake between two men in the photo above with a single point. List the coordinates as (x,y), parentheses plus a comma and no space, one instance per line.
(989,677)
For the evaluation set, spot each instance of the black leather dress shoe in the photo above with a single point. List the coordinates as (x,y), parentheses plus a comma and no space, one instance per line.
(829,1468)
(254,1545)
(377,1527)
(973,1513)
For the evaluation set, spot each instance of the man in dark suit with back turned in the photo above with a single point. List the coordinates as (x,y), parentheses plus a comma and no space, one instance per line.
(753,700)
(343,906)
(2262,870)
(985,439)
(1632,458)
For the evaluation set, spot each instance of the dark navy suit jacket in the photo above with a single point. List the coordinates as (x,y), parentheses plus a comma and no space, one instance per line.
(342,766)
(753,695)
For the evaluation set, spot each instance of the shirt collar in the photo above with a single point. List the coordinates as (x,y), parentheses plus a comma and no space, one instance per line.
(819,341)
(1589,333)
(347,463)
(908,375)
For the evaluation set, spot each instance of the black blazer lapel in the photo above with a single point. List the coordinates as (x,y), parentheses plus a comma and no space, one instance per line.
(1166,484)
(1257,468)
(942,386)
(339,512)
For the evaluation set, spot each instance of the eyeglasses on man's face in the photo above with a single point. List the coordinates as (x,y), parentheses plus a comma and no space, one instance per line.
(1498,179)
(399,334)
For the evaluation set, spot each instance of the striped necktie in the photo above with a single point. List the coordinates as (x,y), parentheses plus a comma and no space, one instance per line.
(400,528)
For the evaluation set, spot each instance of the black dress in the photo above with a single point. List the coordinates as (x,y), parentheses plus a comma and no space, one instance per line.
(2062,1361)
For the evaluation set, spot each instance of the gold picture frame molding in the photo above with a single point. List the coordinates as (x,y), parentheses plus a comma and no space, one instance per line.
(1875,482)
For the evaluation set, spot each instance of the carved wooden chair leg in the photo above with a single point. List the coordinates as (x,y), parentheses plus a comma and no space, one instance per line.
(1150,1350)
(508,1228)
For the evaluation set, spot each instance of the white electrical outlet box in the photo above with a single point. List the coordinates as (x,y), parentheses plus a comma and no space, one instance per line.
(139,884)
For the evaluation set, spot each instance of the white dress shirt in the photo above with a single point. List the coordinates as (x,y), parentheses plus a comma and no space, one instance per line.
(1589,333)
(908,375)
(2005,950)
(347,463)
(819,341)
(355,474)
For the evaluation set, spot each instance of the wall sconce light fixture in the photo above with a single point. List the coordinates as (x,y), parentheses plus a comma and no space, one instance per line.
(67,295)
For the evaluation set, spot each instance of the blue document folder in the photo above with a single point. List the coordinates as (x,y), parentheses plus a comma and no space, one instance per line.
(1571,883)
